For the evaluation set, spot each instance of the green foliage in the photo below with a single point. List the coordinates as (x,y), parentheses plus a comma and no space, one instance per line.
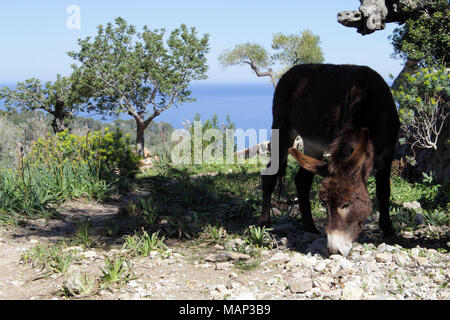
(215,145)
(213,233)
(116,271)
(27,127)
(143,245)
(246,53)
(108,152)
(423,105)
(66,166)
(60,98)
(82,235)
(426,38)
(259,236)
(139,74)
(51,259)
(149,210)
(8,144)
(294,49)
(289,50)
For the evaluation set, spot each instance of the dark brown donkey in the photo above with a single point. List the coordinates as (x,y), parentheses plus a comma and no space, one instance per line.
(347,111)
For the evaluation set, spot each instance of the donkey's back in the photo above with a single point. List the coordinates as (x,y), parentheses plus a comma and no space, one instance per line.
(318,100)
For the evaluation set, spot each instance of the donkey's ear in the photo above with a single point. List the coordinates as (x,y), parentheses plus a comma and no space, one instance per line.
(312,165)
(357,158)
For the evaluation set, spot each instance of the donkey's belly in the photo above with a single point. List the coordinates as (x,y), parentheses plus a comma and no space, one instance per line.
(315,146)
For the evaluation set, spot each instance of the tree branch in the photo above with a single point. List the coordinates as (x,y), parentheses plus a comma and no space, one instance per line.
(259,73)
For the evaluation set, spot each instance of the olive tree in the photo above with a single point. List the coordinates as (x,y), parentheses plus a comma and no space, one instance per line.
(141,74)
(60,98)
(289,50)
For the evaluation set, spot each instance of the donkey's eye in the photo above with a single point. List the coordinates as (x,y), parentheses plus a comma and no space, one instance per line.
(346,205)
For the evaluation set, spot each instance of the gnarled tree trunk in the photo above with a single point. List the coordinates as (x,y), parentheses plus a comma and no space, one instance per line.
(59,115)
(140,138)
(373,15)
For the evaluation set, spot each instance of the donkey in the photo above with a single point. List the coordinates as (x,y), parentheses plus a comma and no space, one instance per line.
(347,111)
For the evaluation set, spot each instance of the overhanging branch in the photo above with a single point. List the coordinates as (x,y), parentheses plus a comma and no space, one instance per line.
(373,15)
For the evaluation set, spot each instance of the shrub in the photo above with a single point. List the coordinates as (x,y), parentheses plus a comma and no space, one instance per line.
(65,166)
(423,106)
(109,151)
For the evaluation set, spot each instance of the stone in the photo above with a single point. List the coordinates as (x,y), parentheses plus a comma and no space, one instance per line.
(234,243)
(386,248)
(226,256)
(320,266)
(419,219)
(236,255)
(283,242)
(73,283)
(242,293)
(275,280)
(223,266)
(17,283)
(352,293)
(216,257)
(421,260)
(73,248)
(401,261)
(282,257)
(336,257)
(90,254)
(300,285)
(345,264)
(383,257)
(413,206)
(294,210)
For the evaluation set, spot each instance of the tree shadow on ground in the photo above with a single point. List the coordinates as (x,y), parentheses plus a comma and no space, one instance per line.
(180,205)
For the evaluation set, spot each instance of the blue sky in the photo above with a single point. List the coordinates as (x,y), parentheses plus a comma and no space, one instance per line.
(35,37)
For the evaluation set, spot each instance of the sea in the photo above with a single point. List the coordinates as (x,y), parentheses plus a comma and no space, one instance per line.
(249,105)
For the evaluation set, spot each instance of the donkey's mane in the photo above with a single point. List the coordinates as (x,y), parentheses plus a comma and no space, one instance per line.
(342,147)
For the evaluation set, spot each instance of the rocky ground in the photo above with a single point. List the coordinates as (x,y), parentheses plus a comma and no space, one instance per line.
(298,267)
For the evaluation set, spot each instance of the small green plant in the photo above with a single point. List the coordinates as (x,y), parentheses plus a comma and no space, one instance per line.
(116,271)
(437,218)
(51,259)
(214,234)
(149,210)
(113,228)
(88,284)
(59,262)
(82,235)
(144,244)
(259,236)
(37,254)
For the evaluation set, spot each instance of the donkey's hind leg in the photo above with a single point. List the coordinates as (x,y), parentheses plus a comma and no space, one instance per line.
(382,177)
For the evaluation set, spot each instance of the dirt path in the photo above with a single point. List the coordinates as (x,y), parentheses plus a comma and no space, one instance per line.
(299,268)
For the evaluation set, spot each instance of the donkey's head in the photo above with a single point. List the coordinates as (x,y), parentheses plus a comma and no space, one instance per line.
(343,191)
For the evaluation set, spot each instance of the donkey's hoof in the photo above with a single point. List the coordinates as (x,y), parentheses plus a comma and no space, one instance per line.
(387,229)
(264,223)
(311,229)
